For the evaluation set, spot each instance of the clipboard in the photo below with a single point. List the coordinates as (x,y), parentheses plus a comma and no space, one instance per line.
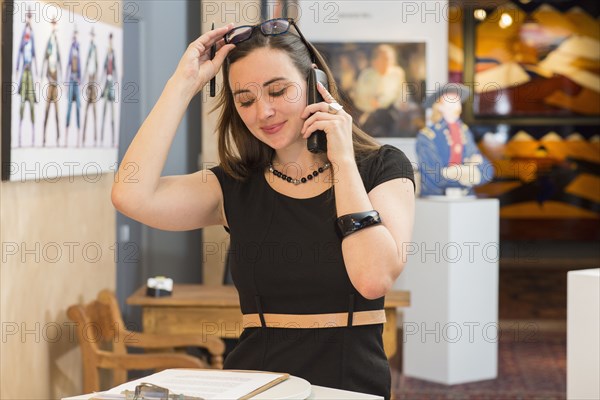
(127,394)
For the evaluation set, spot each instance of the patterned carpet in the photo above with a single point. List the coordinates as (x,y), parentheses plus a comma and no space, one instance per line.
(534,367)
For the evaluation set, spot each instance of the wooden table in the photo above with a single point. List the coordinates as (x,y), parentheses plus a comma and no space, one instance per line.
(215,310)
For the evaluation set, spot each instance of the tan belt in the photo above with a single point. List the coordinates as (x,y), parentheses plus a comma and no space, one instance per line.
(304,321)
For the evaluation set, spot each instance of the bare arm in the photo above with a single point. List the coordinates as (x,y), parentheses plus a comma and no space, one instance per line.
(374,257)
(180,202)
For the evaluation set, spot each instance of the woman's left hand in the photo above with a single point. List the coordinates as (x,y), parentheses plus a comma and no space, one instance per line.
(337,126)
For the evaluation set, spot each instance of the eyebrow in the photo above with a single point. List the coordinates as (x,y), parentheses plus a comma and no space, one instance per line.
(267,83)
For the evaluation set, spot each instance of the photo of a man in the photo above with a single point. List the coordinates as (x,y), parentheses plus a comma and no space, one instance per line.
(384,82)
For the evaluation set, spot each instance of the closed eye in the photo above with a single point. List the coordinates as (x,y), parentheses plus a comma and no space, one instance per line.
(273,92)
(245,100)
(278,93)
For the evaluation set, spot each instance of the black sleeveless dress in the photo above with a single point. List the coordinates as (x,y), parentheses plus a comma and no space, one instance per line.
(286,258)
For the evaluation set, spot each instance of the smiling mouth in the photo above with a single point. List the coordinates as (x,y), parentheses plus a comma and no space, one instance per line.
(273,128)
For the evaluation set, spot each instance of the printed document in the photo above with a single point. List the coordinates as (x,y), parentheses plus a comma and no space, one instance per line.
(206,384)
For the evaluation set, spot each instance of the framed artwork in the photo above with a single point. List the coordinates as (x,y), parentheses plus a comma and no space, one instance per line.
(383,82)
(535,67)
(539,61)
(414,34)
(61,85)
(546,178)
(531,63)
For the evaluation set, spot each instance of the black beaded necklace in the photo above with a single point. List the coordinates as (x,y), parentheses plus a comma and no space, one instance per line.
(302,180)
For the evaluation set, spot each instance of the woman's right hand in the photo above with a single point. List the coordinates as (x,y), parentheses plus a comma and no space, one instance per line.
(196,68)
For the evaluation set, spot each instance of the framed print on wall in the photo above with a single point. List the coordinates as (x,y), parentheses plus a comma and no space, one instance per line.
(383,82)
(540,61)
(61,90)
(546,178)
(536,107)
(417,32)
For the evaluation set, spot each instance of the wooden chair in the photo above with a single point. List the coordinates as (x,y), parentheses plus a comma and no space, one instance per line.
(104,339)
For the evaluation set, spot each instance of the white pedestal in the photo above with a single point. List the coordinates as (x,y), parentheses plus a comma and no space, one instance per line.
(451,327)
(583,334)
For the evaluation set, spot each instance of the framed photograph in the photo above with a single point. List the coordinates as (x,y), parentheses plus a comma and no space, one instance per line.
(383,82)
(61,93)
(411,35)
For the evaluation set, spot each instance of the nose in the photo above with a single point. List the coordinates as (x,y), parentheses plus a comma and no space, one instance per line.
(265,108)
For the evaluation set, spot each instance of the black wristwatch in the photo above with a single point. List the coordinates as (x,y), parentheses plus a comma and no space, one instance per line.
(350,223)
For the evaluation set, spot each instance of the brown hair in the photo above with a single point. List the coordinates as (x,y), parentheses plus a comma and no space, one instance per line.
(250,153)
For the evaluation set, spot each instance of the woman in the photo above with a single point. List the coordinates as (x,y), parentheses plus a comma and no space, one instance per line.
(312,302)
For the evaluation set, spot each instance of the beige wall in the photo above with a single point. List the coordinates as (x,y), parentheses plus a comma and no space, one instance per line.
(39,355)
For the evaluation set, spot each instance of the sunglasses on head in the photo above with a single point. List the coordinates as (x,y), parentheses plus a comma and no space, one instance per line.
(272,27)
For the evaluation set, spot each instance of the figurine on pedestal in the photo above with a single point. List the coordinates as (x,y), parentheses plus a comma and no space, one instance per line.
(448,155)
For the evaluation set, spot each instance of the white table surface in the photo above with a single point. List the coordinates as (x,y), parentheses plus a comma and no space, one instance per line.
(317,393)
(320,392)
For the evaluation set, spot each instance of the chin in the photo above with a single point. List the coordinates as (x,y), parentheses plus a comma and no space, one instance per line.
(280,144)
(283,141)
(274,143)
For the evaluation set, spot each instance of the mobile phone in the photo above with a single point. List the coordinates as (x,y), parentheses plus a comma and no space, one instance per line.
(317,141)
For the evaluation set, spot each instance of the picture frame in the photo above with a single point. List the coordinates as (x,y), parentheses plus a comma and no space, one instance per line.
(61,74)
(404,22)
(532,137)
(528,86)
(383,83)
